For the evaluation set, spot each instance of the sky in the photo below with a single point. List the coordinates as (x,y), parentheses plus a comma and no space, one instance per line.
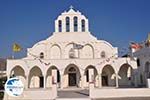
(28,21)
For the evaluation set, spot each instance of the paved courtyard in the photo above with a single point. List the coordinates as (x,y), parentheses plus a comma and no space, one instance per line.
(83,94)
(131,98)
(73,93)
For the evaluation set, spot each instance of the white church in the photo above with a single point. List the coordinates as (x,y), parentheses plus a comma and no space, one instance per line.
(66,57)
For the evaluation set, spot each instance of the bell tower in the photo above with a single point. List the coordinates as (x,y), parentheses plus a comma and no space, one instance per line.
(71,21)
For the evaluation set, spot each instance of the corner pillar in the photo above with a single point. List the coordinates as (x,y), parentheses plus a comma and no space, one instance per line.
(27,81)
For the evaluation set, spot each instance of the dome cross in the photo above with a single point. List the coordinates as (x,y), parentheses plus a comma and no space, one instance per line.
(71,7)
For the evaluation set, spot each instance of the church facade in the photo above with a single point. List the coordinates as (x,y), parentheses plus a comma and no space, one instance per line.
(66,57)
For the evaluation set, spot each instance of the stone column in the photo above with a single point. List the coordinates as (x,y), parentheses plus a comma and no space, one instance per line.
(27,81)
(61,81)
(63,25)
(117,83)
(44,81)
(56,26)
(86,25)
(54,82)
(8,76)
(54,76)
(91,75)
(91,81)
(135,79)
(71,24)
(79,25)
(82,81)
(148,83)
(54,89)
(100,80)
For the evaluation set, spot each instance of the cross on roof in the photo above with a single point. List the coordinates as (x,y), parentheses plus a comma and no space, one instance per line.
(71,7)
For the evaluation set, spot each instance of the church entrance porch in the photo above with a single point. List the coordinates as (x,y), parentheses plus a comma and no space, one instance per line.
(108,76)
(71,76)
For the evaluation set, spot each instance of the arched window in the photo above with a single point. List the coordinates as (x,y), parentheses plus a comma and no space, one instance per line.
(60,26)
(103,54)
(41,55)
(67,24)
(75,19)
(71,53)
(83,25)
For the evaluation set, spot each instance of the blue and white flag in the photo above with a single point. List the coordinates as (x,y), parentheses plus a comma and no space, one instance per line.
(77,46)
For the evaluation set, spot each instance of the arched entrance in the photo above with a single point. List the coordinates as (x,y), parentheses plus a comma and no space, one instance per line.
(86,74)
(125,76)
(36,79)
(108,76)
(72,75)
(19,72)
(49,76)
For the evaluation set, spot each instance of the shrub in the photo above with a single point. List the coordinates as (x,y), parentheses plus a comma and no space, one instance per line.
(1,95)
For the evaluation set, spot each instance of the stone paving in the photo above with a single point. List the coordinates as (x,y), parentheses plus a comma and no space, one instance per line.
(73,93)
(83,94)
(131,98)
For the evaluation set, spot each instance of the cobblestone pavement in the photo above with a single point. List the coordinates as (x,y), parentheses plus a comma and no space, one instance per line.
(133,98)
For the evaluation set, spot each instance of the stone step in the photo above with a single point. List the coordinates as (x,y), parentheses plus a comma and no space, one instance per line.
(73,99)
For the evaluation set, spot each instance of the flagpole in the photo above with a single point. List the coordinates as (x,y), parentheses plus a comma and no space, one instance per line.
(13,54)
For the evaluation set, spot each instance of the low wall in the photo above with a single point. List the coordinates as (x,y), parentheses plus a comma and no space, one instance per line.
(34,94)
(116,93)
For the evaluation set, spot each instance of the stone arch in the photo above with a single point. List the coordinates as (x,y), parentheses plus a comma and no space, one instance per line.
(72,76)
(87,51)
(86,75)
(36,79)
(108,76)
(125,75)
(55,52)
(19,72)
(49,77)
(70,47)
